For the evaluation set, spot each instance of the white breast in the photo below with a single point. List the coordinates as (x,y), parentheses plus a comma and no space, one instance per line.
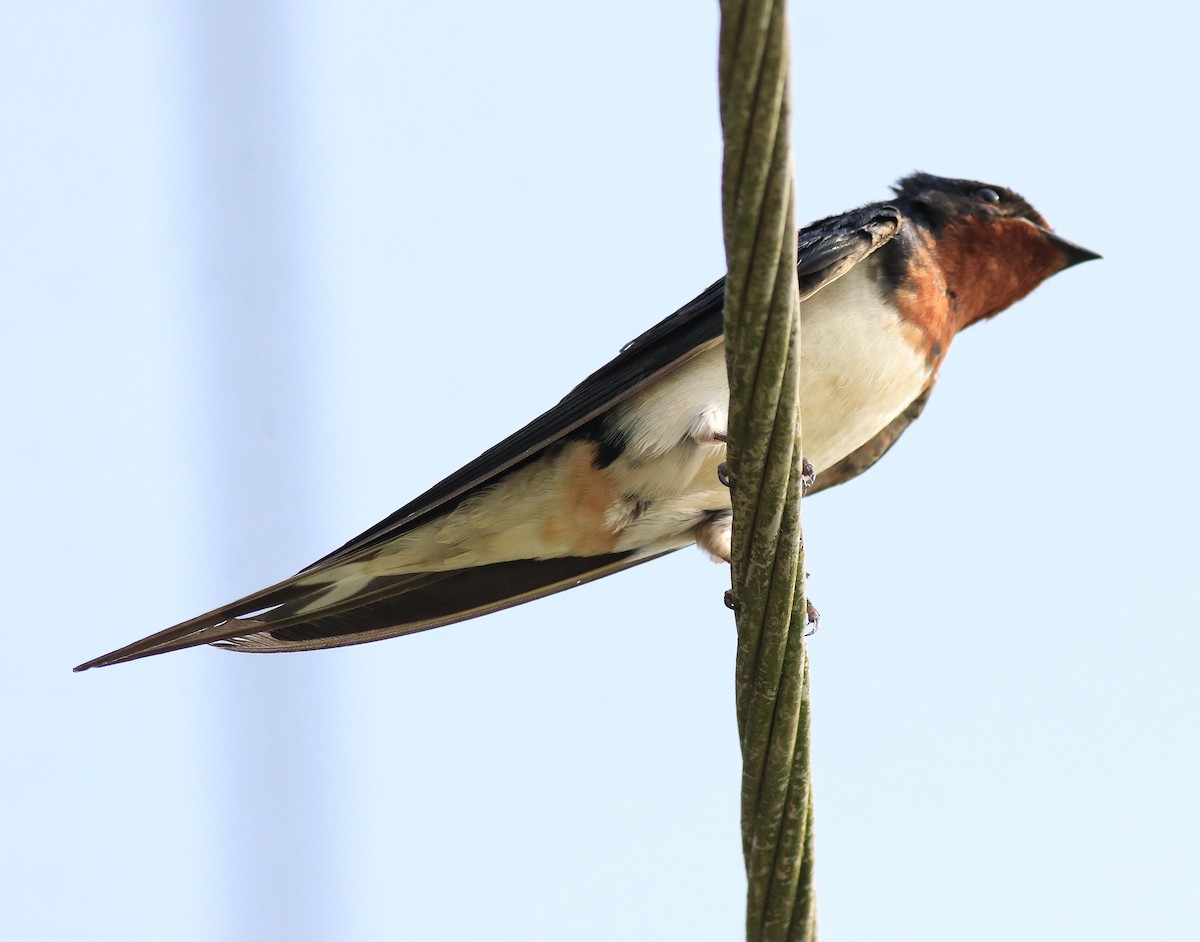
(858,369)
(858,372)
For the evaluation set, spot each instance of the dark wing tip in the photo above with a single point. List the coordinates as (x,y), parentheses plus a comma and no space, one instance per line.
(119,656)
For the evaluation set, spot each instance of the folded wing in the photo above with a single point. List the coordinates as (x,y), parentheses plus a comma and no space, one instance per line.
(341,599)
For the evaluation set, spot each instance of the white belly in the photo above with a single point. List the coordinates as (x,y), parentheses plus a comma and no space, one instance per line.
(857,374)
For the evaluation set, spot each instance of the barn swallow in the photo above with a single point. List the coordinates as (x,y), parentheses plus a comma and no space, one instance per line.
(625,468)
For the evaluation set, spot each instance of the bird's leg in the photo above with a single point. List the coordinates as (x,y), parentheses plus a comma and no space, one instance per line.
(808,476)
(812,618)
(723,467)
(715,535)
(706,430)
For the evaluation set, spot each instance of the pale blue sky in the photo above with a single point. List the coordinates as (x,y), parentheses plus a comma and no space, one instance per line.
(270,270)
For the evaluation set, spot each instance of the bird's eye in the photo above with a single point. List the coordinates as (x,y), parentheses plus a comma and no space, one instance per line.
(988,195)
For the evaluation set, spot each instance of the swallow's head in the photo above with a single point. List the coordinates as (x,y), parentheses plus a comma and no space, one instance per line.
(992,246)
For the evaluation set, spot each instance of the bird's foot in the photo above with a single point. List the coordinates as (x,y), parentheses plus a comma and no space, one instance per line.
(723,469)
(812,618)
(808,477)
(723,473)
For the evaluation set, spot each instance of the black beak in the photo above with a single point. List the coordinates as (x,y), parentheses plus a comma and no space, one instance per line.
(1074,254)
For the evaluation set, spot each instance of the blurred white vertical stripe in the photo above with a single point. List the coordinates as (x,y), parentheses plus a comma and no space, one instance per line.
(255,372)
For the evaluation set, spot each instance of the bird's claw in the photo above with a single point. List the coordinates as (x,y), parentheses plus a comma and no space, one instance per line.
(808,476)
(723,473)
(812,618)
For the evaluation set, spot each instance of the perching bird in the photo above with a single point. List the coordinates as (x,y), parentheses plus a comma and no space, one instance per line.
(625,468)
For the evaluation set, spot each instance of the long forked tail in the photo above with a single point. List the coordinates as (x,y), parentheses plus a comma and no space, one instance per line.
(303,613)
